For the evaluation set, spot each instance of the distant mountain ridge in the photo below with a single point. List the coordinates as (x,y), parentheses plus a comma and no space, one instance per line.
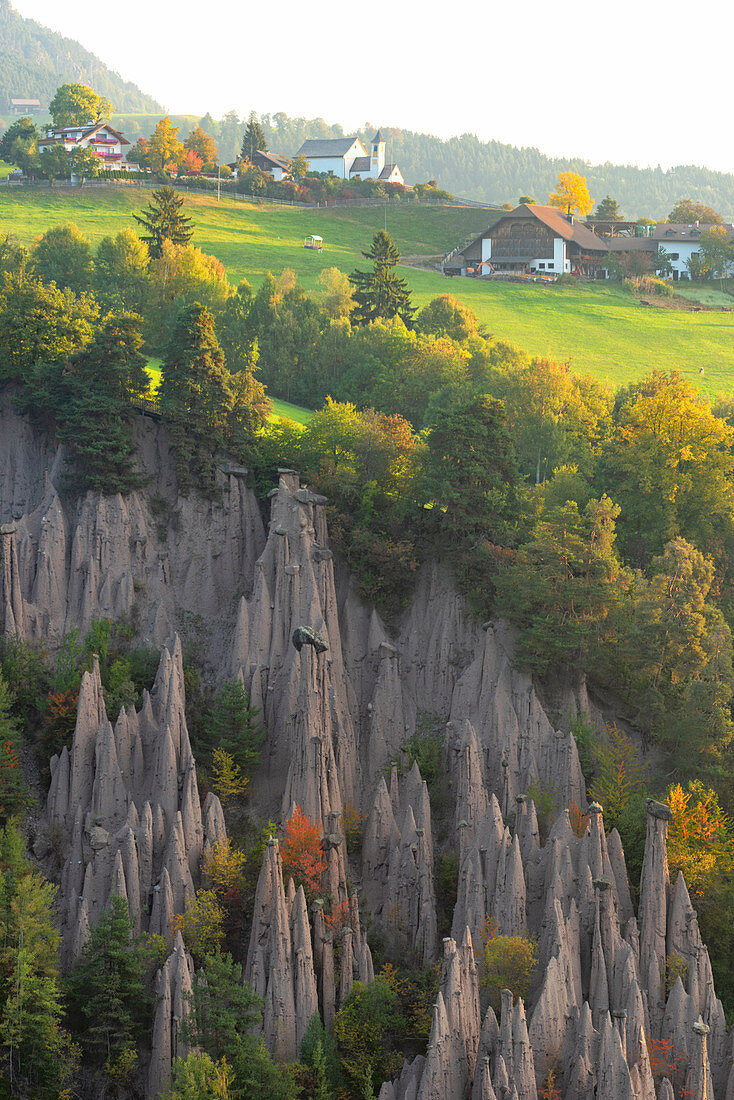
(34,61)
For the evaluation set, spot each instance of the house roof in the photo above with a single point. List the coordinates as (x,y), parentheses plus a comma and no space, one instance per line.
(275,159)
(361,164)
(563,226)
(86,132)
(631,244)
(560,224)
(387,171)
(673,231)
(378,138)
(329,147)
(25,102)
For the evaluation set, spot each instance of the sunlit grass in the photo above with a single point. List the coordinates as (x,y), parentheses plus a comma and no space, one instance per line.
(597,327)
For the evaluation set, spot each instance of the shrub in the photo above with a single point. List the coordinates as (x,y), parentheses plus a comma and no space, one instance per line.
(507,962)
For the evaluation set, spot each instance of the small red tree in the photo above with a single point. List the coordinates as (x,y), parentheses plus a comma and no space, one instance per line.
(301,851)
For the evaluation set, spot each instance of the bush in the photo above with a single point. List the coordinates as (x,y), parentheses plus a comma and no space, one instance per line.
(507,962)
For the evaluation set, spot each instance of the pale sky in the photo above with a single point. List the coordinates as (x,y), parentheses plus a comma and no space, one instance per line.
(634,82)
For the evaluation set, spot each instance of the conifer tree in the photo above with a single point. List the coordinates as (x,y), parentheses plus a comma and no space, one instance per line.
(90,397)
(253,139)
(106,991)
(195,397)
(35,1047)
(380,292)
(164,221)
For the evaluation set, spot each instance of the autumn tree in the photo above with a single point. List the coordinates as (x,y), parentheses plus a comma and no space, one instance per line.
(163,146)
(77,105)
(299,167)
(671,468)
(506,962)
(380,292)
(336,298)
(301,853)
(85,163)
(688,212)
(164,220)
(204,146)
(571,194)
(201,924)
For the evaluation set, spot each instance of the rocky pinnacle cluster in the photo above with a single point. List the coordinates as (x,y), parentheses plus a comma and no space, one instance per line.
(124,816)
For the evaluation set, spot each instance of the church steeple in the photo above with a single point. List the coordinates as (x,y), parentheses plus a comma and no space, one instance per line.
(377,157)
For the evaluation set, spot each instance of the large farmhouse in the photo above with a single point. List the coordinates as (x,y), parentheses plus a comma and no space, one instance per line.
(106,142)
(347,158)
(533,239)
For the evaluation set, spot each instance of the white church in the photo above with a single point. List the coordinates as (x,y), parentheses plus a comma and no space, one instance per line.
(347,158)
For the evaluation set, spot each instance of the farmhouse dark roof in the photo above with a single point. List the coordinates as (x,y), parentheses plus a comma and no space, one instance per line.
(326,147)
(570,229)
(674,231)
(361,164)
(631,244)
(563,226)
(275,159)
(387,171)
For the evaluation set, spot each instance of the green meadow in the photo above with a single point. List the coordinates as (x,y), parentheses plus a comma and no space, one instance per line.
(597,327)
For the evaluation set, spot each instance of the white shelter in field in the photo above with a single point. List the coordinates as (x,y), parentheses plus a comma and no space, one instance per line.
(347,158)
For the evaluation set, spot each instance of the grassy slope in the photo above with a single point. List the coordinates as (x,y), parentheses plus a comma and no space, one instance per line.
(598,327)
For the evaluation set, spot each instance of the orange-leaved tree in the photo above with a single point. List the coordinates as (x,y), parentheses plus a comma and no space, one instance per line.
(303,858)
(572,194)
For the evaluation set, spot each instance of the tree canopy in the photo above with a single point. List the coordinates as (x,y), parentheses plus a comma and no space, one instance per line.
(164,221)
(571,194)
(78,105)
(380,292)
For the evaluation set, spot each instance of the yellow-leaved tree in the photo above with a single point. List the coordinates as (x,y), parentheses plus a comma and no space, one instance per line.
(572,194)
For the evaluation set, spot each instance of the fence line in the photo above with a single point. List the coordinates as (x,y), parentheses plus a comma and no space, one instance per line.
(237,196)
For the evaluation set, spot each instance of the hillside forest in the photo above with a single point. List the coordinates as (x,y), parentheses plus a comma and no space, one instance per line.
(599,523)
(34,61)
(489,172)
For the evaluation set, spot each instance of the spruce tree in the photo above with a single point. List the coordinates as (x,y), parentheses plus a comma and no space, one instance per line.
(195,397)
(380,293)
(106,991)
(90,397)
(253,139)
(164,221)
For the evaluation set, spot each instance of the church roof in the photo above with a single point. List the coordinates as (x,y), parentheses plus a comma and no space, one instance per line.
(361,164)
(378,138)
(328,147)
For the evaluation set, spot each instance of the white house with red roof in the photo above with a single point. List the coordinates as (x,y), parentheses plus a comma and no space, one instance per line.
(99,136)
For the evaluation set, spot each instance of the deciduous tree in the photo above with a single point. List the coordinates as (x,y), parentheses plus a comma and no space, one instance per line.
(63,255)
(688,212)
(571,194)
(163,146)
(78,105)
(301,851)
(204,146)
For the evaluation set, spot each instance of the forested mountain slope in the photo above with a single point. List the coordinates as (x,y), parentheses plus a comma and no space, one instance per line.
(34,61)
